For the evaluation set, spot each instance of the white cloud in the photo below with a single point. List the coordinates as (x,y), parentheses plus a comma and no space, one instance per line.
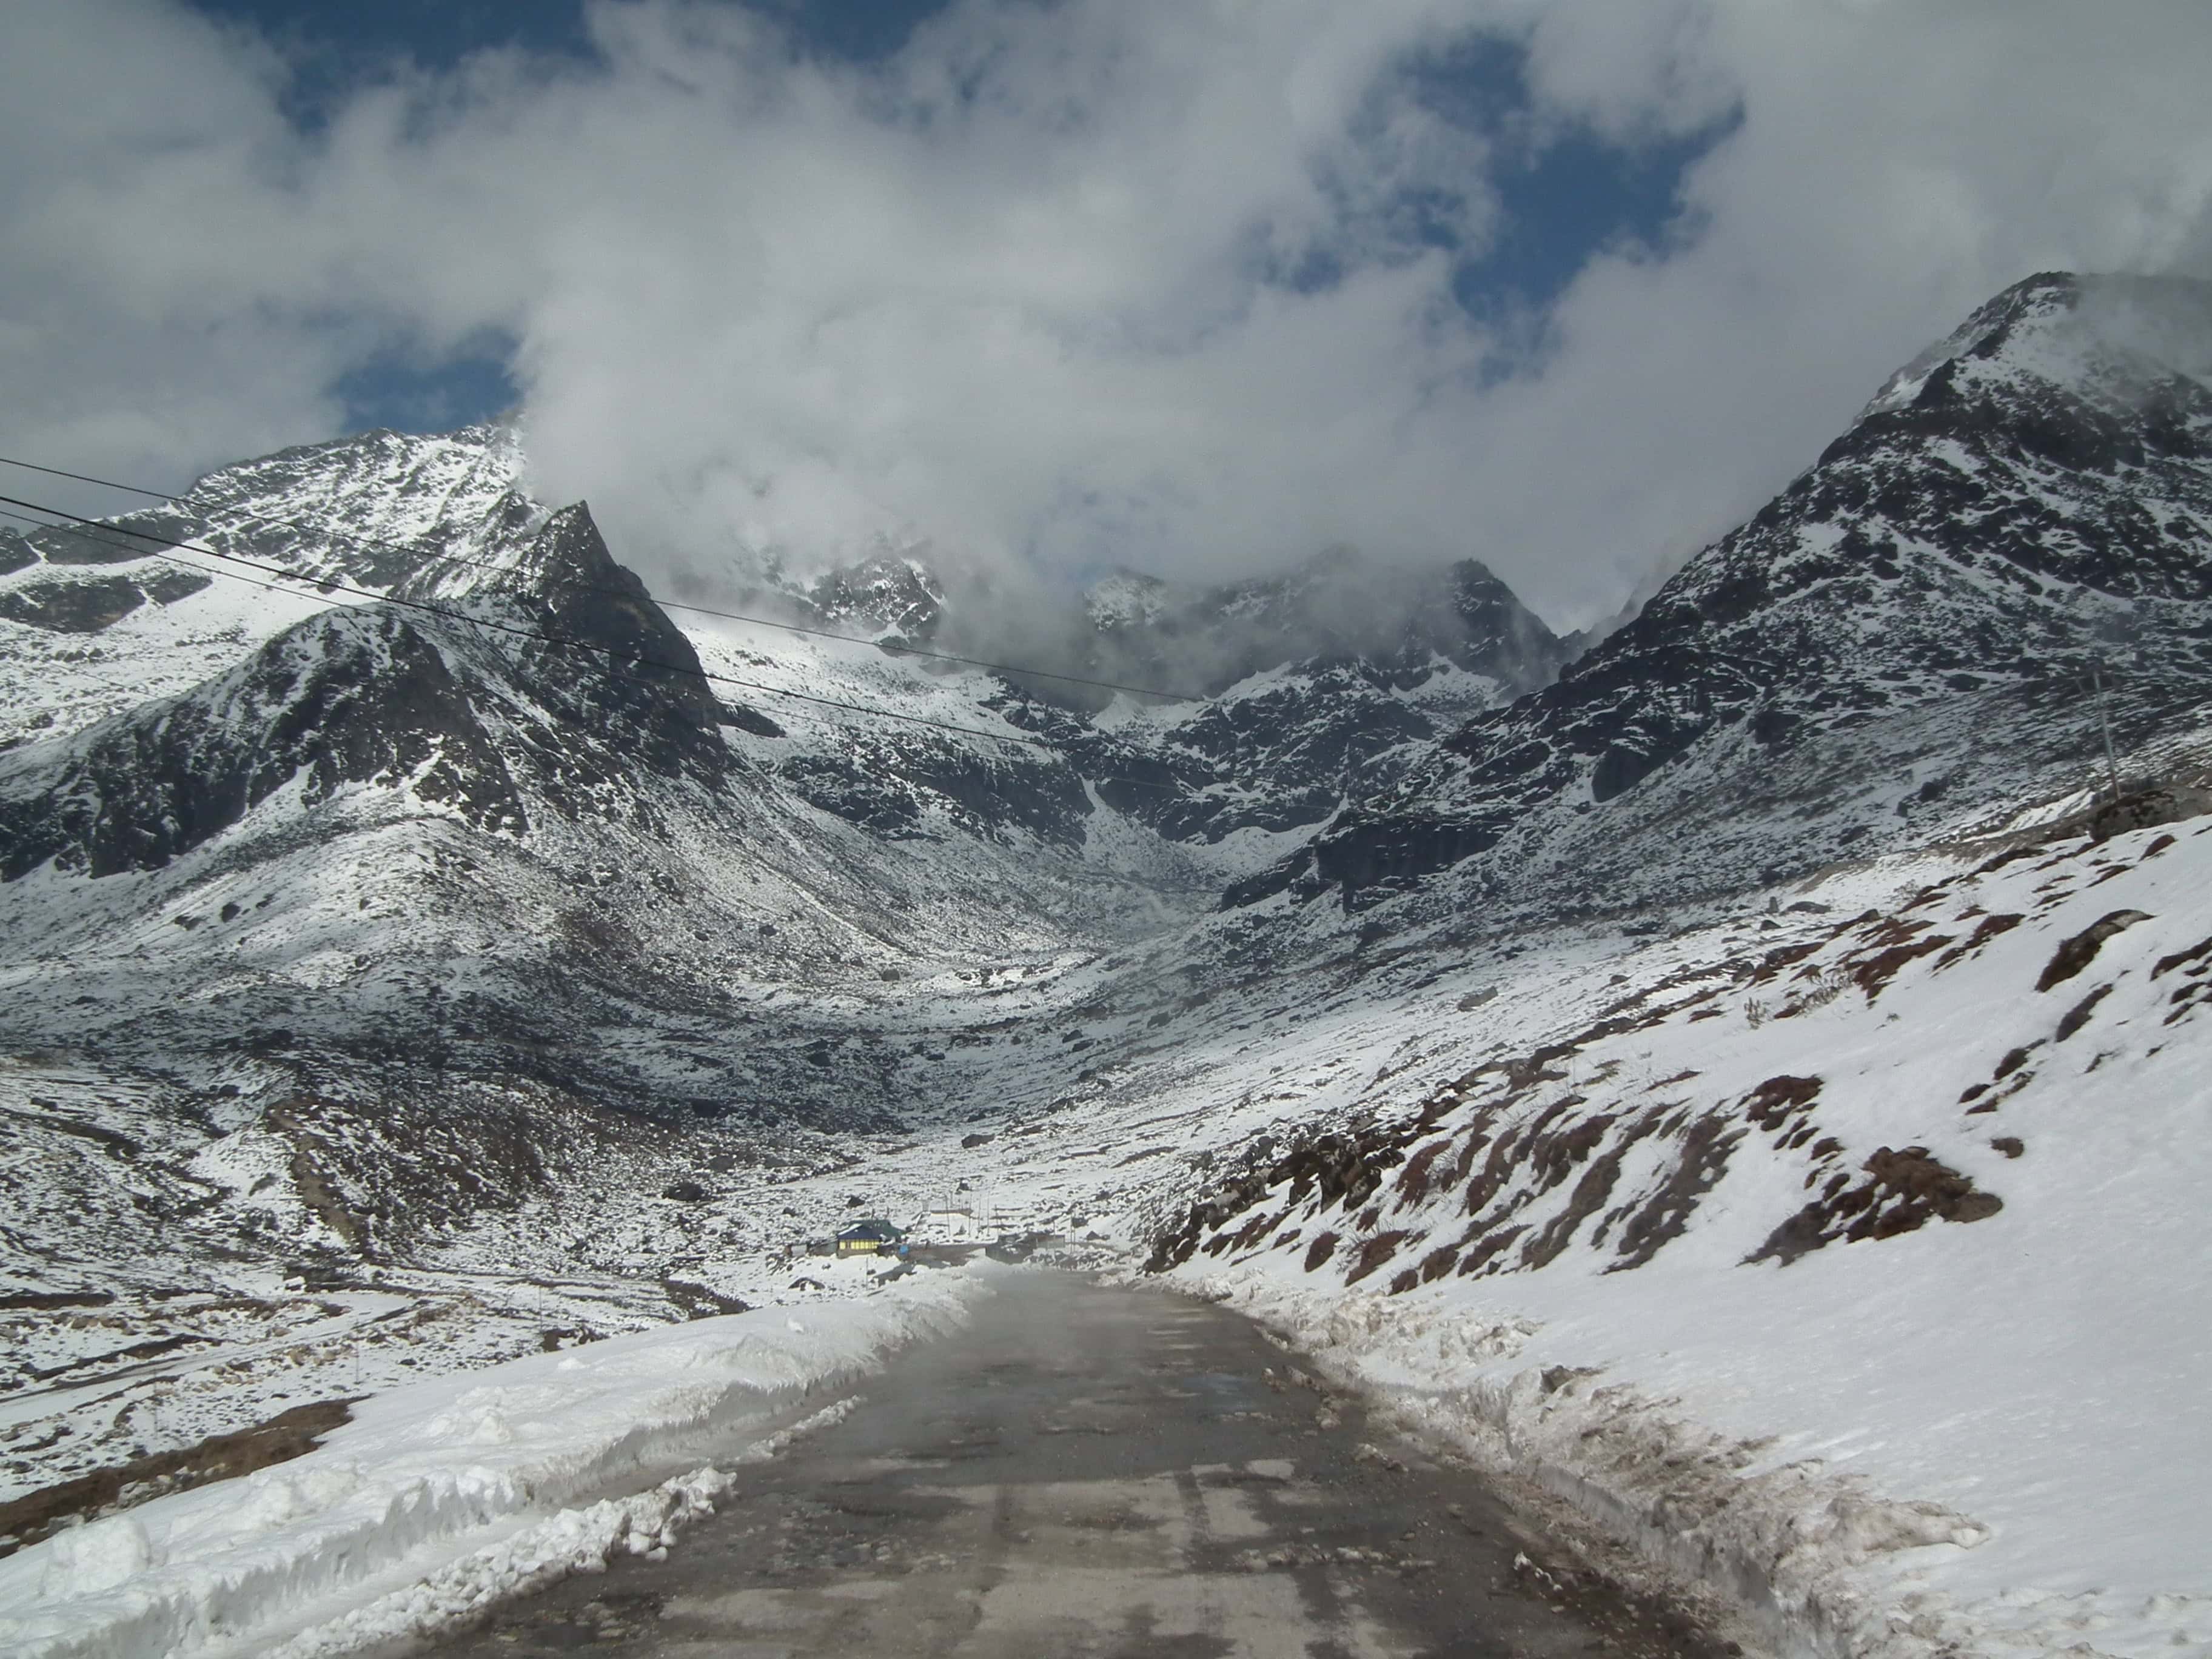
(1019,286)
(135,136)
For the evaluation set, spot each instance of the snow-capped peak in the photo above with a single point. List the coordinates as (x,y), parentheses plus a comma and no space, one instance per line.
(2120,334)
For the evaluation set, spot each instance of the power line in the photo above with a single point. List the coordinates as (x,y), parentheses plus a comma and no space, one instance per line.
(88,527)
(357,540)
(328,586)
(148,553)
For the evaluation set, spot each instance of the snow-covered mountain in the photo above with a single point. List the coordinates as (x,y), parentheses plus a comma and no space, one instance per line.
(112,616)
(1916,627)
(1189,640)
(1277,698)
(393,822)
(1401,624)
(484,810)
(435,925)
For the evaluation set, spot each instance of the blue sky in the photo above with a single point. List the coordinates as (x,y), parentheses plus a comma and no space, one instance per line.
(1562,197)
(439,32)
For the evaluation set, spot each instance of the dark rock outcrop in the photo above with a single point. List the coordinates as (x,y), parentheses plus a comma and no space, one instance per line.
(585,678)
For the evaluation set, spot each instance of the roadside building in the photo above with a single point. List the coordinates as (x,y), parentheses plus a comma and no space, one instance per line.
(871,1236)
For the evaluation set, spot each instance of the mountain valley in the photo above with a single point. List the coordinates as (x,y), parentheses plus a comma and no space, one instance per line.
(426,947)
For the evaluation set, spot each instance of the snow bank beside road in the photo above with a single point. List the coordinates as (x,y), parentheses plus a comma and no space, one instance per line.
(450,1487)
(1613,1405)
(1906,1453)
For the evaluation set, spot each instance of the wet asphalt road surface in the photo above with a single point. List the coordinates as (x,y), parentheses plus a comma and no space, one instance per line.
(1088,1473)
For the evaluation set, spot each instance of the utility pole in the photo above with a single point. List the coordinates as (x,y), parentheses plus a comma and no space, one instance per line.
(2105,726)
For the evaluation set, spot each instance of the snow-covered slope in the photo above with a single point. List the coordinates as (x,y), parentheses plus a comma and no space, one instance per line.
(382,958)
(97,619)
(489,958)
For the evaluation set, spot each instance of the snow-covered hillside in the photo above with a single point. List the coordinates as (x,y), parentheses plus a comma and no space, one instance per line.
(1851,1253)
(95,619)
(1734,1085)
(379,966)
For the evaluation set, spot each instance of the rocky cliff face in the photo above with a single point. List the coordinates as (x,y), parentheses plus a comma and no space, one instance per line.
(344,698)
(454,710)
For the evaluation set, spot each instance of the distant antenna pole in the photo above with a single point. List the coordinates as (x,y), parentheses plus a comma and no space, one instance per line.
(2105,725)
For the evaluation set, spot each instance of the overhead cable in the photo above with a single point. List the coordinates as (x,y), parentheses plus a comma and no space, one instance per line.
(358,540)
(326,585)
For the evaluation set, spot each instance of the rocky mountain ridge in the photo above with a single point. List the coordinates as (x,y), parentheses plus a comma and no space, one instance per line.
(2018,520)
(1336,608)
(1190,640)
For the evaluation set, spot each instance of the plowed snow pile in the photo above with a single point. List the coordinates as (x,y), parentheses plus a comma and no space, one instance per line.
(439,1498)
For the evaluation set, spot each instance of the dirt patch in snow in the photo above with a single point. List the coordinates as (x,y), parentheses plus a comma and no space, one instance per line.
(2078,1016)
(1990,928)
(2076,953)
(1706,1143)
(1894,945)
(1344,1167)
(1904,1190)
(1373,1253)
(48,1301)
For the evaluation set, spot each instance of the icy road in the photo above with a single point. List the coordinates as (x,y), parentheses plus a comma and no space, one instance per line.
(1087,1471)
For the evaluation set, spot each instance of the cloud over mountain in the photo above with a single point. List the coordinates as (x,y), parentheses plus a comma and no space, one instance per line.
(1199,287)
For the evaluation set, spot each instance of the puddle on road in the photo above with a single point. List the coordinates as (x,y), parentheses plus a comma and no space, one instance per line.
(867,1467)
(1256,1471)
(1222,1394)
